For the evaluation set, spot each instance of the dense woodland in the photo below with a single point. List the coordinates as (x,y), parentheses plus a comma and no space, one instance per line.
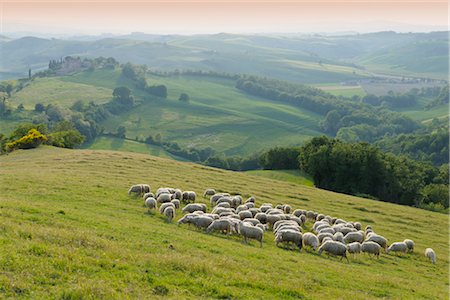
(407,162)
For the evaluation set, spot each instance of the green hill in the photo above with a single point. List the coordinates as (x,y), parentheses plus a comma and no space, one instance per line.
(69,231)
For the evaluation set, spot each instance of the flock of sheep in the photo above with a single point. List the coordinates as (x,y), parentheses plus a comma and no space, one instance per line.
(230,214)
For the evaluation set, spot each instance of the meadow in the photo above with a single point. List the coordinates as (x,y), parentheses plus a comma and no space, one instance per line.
(69,231)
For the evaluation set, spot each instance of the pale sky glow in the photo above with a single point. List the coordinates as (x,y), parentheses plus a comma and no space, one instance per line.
(251,16)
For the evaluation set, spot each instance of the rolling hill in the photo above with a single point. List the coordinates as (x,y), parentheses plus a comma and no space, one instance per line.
(70,231)
(297,58)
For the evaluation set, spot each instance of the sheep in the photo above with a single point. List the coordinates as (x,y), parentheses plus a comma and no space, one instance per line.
(226,199)
(334,248)
(310,215)
(299,212)
(219,210)
(339,237)
(410,244)
(250,199)
(380,240)
(176,203)
(262,226)
(240,208)
(271,219)
(251,232)
(169,212)
(254,211)
(139,190)
(310,240)
(351,237)
(274,211)
(209,192)
(249,205)
(397,247)
(371,247)
(357,225)
(177,194)
(265,207)
(221,225)
(262,217)
(321,236)
(162,198)
(201,222)
(325,239)
(343,229)
(431,255)
(236,201)
(224,204)
(188,196)
(289,236)
(151,203)
(302,218)
(164,206)
(245,214)
(328,229)
(160,191)
(213,199)
(354,248)
(148,195)
(253,221)
(287,209)
(191,207)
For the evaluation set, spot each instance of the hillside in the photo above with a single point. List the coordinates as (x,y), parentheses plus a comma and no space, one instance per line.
(297,58)
(66,213)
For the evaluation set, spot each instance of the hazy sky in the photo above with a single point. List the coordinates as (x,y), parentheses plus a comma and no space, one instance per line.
(201,16)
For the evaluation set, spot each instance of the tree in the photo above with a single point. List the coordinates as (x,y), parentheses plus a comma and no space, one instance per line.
(122,92)
(9,88)
(20,107)
(121,131)
(184,97)
(331,122)
(39,107)
(31,140)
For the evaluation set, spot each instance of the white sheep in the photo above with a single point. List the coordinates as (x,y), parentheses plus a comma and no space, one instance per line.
(209,192)
(221,225)
(339,237)
(334,248)
(201,222)
(410,244)
(397,247)
(245,214)
(139,189)
(262,217)
(163,198)
(188,196)
(191,207)
(357,236)
(289,236)
(165,205)
(249,231)
(148,195)
(169,212)
(431,255)
(176,203)
(151,203)
(380,240)
(310,240)
(354,248)
(371,248)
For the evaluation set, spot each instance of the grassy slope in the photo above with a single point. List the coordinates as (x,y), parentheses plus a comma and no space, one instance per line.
(117,144)
(66,213)
(218,115)
(294,176)
(56,91)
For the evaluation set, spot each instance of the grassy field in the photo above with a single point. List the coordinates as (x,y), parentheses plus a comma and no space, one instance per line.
(117,144)
(57,91)
(217,116)
(294,176)
(69,231)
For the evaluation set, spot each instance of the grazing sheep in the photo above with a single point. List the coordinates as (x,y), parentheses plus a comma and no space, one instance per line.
(239,208)
(289,236)
(303,219)
(431,255)
(160,191)
(249,205)
(410,244)
(310,240)
(236,201)
(339,237)
(287,209)
(148,195)
(209,192)
(274,211)
(354,248)
(357,225)
(262,217)
(371,248)
(169,212)
(249,231)
(253,221)
(224,204)
(221,225)
(191,207)
(265,207)
(188,196)
(397,247)
(327,229)
(177,194)
(151,203)
(262,226)
(271,219)
(201,222)
(176,203)
(254,211)
(310,215)
(321,236)
(163,198)
(325,239)
(245,214)
(139,190)
(213,199)
(334,248)
(351,237)
(250,199)
(219,210)
(165,205)
(380,240)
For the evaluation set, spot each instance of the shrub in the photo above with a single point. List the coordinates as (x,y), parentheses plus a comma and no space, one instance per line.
(32,140)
